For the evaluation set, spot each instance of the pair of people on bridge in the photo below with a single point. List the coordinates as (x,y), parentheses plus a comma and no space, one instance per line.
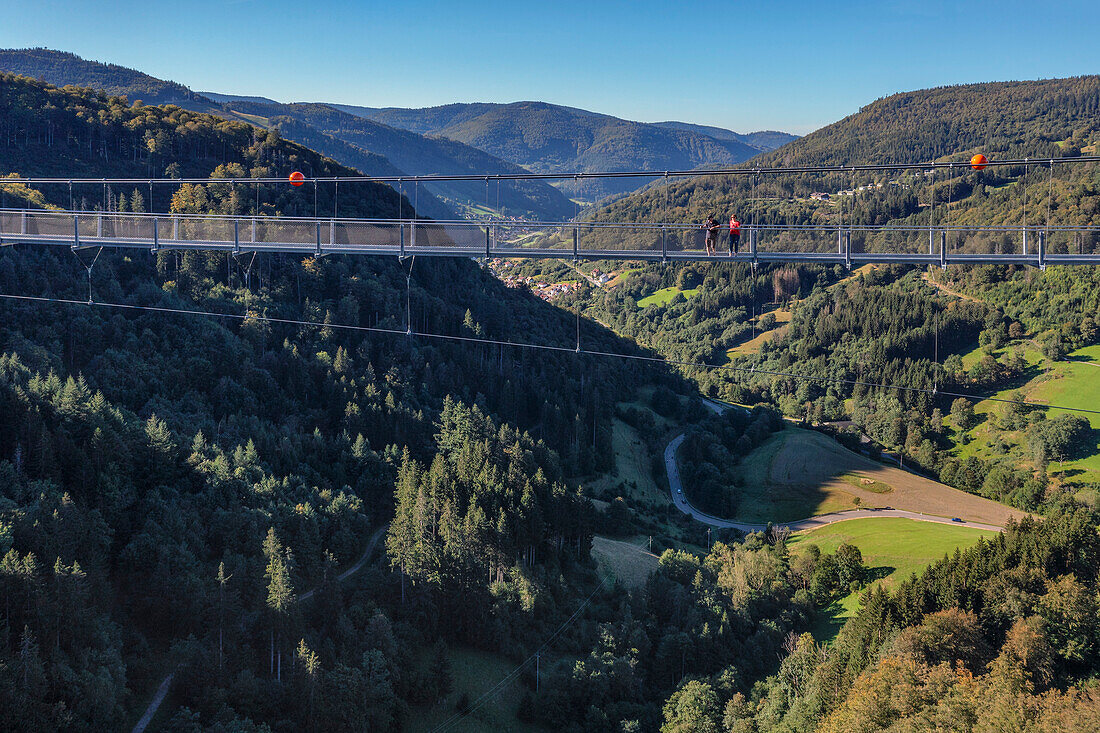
(711,226)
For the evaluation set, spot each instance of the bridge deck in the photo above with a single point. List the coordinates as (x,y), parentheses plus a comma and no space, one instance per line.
(846,245)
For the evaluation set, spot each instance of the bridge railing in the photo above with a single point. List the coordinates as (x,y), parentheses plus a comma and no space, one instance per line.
(582,240)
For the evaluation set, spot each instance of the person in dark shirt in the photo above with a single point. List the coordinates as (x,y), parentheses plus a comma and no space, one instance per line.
(711,241)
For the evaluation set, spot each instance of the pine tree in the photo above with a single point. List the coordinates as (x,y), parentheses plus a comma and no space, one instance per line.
(280,596)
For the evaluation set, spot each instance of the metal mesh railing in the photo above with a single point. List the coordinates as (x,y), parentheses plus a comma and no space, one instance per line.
(590,240)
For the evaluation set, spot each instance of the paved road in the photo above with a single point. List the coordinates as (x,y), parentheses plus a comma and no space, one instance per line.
(677,490)
(166,683)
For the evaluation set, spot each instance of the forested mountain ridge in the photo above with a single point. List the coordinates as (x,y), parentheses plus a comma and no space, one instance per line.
(83,133)
(370,148)
(61,68)
(551,138)
(178,480)
(1015,120)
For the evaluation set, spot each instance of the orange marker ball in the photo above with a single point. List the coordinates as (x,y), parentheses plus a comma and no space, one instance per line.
(978,162)
(297,179)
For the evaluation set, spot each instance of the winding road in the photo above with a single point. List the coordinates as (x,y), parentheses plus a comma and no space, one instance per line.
(166,683)
(676,489)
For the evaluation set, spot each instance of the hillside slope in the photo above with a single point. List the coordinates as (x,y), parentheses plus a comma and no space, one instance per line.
(61,68)
(1036,119)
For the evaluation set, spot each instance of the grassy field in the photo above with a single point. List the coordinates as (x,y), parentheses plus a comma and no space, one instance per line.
(867,484)
(801,473)
(892,548)
(665,296)
(763,499)
(1074,383)
(632,467)
(474,672)
(627,562)
(752,346)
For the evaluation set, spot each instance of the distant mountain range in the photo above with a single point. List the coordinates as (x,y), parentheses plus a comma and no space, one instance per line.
(554,139)
(450,139)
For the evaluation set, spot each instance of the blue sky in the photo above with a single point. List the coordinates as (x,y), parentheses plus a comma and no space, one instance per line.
(763,65)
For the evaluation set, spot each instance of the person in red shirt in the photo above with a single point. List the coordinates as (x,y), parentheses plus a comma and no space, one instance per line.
(735,235)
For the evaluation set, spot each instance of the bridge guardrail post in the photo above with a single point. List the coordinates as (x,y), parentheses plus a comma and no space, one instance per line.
(753,237)
(1025,239)
(331,232)
(943,250)
(576,240)
(76,232)
(22,222)
(253,230)
(99,225)
(156,236)
(1042,251)
(664,243)
(848,249)
(176,228)
(401,237)
(317,231)
(488,240)
(236,237)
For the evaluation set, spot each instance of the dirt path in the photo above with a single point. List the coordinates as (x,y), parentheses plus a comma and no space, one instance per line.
(946,290)
(166,683)
(154,704)
(354,568)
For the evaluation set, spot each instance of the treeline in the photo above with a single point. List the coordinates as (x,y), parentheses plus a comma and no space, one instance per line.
(491,506)
(999,636)
(726,618)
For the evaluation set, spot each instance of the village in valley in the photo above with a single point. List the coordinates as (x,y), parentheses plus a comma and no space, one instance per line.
(547,285)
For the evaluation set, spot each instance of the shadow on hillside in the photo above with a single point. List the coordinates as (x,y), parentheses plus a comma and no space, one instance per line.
(878,573)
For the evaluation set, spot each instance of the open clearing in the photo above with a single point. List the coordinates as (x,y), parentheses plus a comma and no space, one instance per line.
(474,673)
(801,473)
(752,346)
(665,296)
(627,562)
(1074,383)
(632,467)
(893,549)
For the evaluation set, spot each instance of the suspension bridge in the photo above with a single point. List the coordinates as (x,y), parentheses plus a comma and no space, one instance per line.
(937,242)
